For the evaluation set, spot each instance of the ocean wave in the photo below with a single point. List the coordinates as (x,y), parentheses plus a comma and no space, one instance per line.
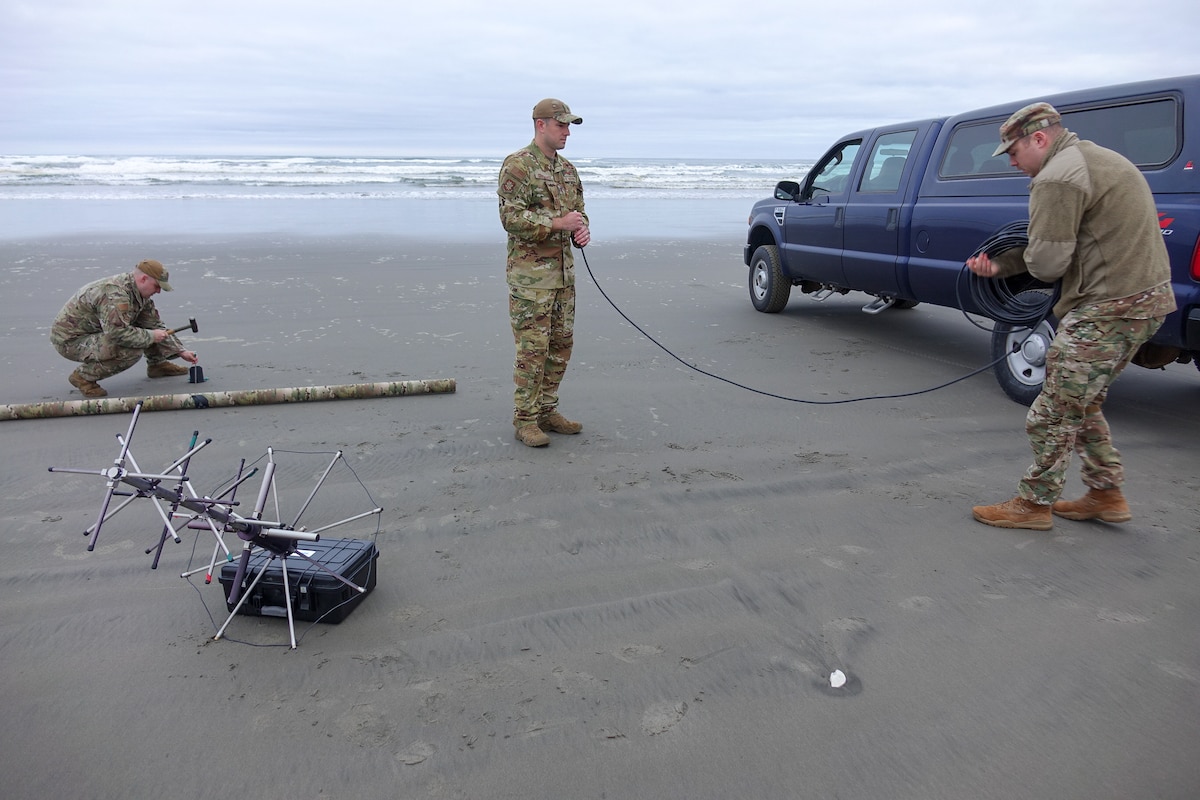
(141,177)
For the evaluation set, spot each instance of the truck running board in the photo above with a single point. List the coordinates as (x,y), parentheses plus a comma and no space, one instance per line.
(879,304)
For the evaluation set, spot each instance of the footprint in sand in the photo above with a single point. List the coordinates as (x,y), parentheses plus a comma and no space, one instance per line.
(661,717)
(415,753)
(364,725)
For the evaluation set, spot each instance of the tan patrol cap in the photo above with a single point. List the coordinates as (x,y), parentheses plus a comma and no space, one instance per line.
(555,109)
(1024,122)
(155,270)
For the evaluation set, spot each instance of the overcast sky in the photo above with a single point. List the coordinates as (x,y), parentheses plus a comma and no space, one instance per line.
(700,79)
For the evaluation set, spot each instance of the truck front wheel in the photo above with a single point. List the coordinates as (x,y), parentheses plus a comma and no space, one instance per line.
(769,287)
(1021,368)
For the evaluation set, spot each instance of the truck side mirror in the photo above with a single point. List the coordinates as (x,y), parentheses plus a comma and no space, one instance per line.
(787,190)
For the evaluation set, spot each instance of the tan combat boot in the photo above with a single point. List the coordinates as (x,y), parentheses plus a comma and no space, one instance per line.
(1016,513)
(165,369)
(557,423)
(529,434)
(1106,505)
(86,388)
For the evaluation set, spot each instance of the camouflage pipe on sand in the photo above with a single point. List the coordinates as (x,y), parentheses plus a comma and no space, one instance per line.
(244,397)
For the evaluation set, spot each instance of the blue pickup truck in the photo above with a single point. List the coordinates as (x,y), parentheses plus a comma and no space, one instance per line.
(896,210)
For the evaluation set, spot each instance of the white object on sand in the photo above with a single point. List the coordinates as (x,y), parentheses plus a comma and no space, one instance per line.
(837,679)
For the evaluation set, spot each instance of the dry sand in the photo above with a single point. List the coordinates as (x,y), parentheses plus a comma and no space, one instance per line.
(650,609)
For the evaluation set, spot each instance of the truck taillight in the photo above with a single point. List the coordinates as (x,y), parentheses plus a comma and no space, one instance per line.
(1196,261)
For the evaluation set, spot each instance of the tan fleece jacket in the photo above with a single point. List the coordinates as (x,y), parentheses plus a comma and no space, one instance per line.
(1093,224)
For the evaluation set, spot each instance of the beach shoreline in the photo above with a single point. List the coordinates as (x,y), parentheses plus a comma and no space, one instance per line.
(468,220)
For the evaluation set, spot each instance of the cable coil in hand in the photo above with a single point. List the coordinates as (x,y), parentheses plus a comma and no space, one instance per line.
(995,297)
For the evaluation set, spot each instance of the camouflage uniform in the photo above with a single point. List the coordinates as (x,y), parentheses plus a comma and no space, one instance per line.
(106,327)
(534,190)
(1091,347)
(1094,227)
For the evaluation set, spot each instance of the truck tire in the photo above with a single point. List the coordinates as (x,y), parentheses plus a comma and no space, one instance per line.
(769,288)
(1021,365)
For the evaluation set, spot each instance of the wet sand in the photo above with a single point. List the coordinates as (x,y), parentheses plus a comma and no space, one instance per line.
(649,609)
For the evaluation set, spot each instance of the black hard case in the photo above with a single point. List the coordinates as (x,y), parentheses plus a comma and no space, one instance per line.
(314,591)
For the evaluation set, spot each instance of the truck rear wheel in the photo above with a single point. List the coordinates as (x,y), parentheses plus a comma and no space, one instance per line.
(769,287)
(1021,370)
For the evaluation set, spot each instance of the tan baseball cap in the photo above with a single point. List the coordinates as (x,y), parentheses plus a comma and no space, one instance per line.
(1025,121)
(155,270)
(555,109)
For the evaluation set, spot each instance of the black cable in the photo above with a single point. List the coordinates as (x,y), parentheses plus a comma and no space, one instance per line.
(706,373)
(990,294)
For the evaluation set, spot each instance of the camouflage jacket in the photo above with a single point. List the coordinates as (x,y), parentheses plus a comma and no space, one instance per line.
(534,190)
(115,307)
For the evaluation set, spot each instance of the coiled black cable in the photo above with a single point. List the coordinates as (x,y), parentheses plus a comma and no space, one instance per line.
(1005,300)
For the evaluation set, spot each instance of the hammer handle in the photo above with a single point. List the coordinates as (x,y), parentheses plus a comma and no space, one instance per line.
(189,327)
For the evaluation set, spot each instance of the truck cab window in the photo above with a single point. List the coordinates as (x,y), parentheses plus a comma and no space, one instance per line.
(888,157)
(969,153)
(832,174)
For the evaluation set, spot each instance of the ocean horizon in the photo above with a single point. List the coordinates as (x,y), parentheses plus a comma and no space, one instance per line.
(62,195)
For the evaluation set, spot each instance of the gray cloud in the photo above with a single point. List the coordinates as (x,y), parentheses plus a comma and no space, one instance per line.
(698,79)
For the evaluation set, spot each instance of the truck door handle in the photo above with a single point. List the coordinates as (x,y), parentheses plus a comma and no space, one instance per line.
(893,219)
(837,216)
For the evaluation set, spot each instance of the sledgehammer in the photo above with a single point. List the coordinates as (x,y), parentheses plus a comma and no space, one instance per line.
(191,326)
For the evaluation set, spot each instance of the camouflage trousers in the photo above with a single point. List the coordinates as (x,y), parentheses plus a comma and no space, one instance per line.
(543,323)
(1084,359)
(102,358)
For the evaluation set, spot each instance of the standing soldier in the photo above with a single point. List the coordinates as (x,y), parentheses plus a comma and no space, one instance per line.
(1093,225)
(541,208)
(110,323)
